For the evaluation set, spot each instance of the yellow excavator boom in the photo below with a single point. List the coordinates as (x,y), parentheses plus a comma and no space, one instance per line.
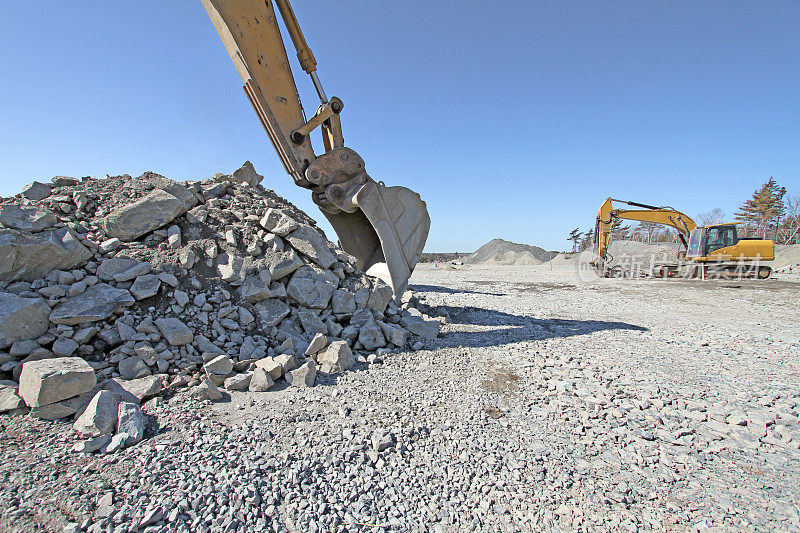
(666,216)
(383,228)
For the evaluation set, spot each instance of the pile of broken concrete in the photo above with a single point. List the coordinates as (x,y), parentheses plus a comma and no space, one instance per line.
(115,291)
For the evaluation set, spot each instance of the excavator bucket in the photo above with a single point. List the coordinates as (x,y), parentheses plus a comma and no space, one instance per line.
(386,234)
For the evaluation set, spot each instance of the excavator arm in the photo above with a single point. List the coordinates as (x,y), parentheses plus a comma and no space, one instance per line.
(607,214)
(384,228)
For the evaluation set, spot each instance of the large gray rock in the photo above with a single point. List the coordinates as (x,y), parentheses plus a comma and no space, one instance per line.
(65,347)
(36,191)
(99,417)
(157,209)
(145,286)
(371,336)
(337,357)
(343,302)
(26,256)
(271,311)
(176,332)
(219,366)
(394,333)
(277,222)
(427,329)
(64,408)
(380,296)
(260,381)
(312,287)
(133,368)
(115,266)
(99,302)
(9,400)
(256,288)
(304,376)
(281,264)
(311,322)
(48,381)
(246,174)
(234,268)
(135,390)
(310,242)
(26,218)
(22,318)
(131,423)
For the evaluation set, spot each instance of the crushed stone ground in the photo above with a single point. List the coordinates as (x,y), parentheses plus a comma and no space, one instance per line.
(545,404)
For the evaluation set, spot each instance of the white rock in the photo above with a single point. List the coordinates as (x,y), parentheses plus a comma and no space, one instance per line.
(337,357)
(100,416)
(319,342)
(221,366)
(176,332)
(238,381)
(206,391)
(304,376)
(131,422)
(48,381)
(271,366)
(261,380)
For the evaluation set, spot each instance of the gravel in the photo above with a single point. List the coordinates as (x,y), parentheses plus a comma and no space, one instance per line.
(545,404)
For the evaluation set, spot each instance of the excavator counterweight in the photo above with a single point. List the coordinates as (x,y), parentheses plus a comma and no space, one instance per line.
(384,228)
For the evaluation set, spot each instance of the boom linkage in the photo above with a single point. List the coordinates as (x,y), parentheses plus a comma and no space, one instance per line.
(384,228)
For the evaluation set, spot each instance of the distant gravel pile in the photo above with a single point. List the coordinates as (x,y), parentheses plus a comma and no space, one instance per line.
(787,258)
(502,252)
(114,291)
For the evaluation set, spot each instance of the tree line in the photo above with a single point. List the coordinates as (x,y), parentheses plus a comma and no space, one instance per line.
(771,213)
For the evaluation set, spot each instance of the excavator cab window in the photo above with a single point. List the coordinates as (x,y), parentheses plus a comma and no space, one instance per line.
(695,240)
(720,237)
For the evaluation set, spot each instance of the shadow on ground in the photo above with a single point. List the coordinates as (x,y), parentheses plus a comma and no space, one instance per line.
(448,290)
(516,328)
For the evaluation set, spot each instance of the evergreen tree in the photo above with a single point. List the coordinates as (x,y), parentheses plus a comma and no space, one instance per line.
(575,237)
(587,240)
(618,231)
(764,209)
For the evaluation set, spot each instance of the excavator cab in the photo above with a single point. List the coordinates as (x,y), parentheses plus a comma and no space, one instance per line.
(384,228)
(703,241)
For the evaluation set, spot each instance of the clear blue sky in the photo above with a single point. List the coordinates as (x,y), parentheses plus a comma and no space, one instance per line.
(511,119)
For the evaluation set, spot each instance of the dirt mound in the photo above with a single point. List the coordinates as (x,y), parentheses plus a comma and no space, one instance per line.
(502,252)
(786,254)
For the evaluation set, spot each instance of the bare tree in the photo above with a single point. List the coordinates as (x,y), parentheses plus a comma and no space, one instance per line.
(791,221)
(715,216)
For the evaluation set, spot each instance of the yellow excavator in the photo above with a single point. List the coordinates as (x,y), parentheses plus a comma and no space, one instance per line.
(383,228)
(715,250)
